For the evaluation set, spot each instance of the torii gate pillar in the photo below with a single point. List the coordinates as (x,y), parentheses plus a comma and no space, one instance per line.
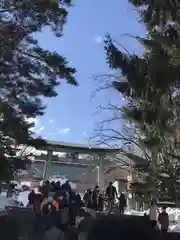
(101,177)
(48,165)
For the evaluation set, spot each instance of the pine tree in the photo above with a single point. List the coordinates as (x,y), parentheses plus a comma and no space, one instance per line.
(27,71)
(151,87)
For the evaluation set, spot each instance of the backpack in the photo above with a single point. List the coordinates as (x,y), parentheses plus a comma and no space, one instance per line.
(48,205)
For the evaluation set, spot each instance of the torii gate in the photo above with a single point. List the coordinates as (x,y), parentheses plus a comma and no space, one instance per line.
(76,149)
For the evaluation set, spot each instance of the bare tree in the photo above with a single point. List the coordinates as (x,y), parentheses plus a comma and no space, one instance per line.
(113,131)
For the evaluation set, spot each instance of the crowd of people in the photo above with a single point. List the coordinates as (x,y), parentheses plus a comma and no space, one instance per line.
(57,208)
(56,196)
(93,198)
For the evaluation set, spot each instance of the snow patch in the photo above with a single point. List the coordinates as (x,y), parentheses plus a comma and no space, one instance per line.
(5,202)
(174,217)
(23,197)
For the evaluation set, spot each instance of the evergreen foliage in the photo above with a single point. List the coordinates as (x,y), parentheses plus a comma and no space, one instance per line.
(151,87)
(27,71)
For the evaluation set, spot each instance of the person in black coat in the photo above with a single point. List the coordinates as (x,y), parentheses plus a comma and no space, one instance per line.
(122,203)
(31,197)
(111,191)
(95,197)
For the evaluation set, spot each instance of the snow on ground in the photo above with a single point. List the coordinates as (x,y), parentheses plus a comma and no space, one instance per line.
(23,197)
(174,218)
(4,202)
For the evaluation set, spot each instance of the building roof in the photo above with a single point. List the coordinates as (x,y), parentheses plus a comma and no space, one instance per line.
(79,148)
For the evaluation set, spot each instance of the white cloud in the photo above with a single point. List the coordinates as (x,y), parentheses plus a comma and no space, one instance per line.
(98,39)
(64,131)
(51,120)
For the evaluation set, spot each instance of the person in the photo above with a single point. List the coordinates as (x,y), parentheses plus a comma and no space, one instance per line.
(111,194)
(46,188)
(122,203)
(67,187)
(11,187)
(55,207)
(38,198)
(31,198)
(54,233)
(153,214)
(57,186)
(44,223)
(101,202)
(163,219)
(72,208)
(88,198)
(83,223)
(53,186)
(95,197)
(63,214)
(45,201)
(51,203)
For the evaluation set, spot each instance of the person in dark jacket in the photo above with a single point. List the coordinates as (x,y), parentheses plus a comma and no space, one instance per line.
(66,186)
(111,194)
(57,186)
(53,186)
(95,197)
(31,197)
(111,191)
(44,223)
(122,203)
(46,188)
(101,202)
(88,198)
(163,219)
(38,198)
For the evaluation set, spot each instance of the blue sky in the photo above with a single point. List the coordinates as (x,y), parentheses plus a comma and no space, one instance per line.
(69,117)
